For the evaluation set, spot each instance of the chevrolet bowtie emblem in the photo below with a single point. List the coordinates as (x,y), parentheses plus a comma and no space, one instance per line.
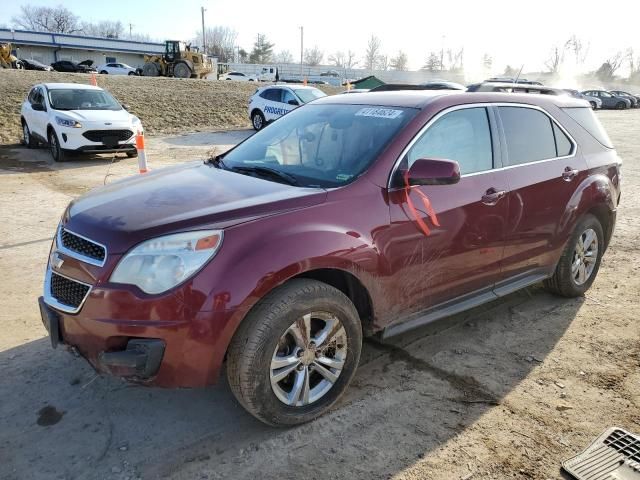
(56,260)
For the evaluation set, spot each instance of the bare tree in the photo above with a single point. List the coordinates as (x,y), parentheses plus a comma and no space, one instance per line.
(350,60)
(105,28)
(337,59)
(313,56)
(455,59)
(578,48)
(433,62)
(221,41)
(373,52)
(382,62)
(284,56)
(47,19)
(555,59)
(608,69)
(400,62)
(487,61)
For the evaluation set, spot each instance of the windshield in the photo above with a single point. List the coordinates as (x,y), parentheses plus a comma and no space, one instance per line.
(82,99)
(321,145)
(309,94)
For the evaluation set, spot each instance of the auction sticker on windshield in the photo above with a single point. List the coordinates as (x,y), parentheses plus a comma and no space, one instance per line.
(378,112)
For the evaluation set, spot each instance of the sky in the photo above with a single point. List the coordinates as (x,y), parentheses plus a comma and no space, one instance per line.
(512,32)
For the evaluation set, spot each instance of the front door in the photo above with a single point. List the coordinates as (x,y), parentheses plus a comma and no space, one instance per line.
(462,255)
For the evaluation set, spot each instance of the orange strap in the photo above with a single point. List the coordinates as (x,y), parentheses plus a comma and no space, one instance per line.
(427,206)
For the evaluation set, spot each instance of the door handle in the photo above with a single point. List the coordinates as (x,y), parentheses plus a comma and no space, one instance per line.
(493,196)
(569,174)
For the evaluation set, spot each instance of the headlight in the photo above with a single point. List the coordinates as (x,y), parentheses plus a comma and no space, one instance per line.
(135,120)
(161,263)
(67,122)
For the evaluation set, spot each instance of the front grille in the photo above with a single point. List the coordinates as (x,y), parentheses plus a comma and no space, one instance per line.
(82,245)
(68,292)
(98,135)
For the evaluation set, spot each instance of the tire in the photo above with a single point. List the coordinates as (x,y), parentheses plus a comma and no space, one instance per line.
(257,120)
(564,281)
(131,73)
(104,72)
(150,69)
(27,138)
(133,154)
(181,70)
(594,105)
(621,105)
(57,152)
(267,330)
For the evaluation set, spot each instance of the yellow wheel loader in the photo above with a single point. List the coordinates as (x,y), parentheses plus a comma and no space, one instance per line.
(7,60)
(178,60)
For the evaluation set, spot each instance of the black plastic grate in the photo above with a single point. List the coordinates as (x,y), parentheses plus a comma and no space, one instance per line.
(624,443)
(66,291)
(82,246)
(98,135)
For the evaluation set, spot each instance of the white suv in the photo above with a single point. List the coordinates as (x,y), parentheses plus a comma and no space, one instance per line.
(270,103)
(71,117)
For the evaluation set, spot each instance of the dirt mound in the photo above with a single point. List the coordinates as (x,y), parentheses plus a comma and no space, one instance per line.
(165,105)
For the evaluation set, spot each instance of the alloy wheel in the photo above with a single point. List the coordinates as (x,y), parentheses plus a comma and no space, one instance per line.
(257,121)
(585,256)
(308,359)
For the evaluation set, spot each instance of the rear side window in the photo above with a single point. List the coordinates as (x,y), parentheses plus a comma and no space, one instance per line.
(273,94)
(529,135)
(564,146)
(588,120)
(462,135)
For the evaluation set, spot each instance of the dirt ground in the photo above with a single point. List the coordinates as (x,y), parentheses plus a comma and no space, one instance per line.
(165,105)
(508,390)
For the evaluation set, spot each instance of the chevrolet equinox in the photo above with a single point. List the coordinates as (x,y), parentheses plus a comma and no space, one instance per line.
(354,215)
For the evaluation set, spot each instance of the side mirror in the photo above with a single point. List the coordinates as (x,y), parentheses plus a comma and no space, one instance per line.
(38,107)
(125,106)
(426,171)
(293,102)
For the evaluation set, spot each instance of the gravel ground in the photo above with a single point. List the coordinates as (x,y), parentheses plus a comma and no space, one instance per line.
(165,105)
(508,390)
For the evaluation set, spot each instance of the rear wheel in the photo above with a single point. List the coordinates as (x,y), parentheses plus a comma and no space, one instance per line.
(257,120)
(131,73)
(181,70)
(103,72)
(27,139)
(295,353)
(580,261)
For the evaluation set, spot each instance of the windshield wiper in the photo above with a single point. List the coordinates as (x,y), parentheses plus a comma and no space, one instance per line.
(269,172)
(217,162)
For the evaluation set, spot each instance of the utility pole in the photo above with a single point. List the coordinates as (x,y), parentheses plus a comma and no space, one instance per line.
(302,51)
(204,39)
(130,29)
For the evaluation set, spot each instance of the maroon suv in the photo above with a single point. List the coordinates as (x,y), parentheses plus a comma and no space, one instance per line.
(354,215)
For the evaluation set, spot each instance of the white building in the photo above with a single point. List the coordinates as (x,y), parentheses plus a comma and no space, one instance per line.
(48,47)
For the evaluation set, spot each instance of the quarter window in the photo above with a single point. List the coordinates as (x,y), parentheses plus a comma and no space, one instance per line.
(529,135)
(462,135)
(563,144)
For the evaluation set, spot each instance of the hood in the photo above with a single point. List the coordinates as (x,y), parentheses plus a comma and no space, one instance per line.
(120,116)
(192,196)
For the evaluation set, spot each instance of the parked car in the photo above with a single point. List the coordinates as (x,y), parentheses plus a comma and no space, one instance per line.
(116,69)
(523,81)
(595,102)
(31,64)
(609,100)
(270,103)
(354,215)
(433,85)
(239,77)
(442,85)
(76,118)
(69,66)
(635,101)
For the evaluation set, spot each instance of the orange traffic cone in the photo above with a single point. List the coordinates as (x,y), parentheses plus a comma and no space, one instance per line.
(142,158)
(93,80)
(304,82)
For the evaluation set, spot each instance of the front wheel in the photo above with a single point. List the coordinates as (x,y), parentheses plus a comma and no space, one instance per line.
(594,105)
(57,152)
(621,105)
(580,261)
(257,120)
(104,72)
(295,354)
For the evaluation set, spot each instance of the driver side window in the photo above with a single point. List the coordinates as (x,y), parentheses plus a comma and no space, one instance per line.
(462,135)
(287,96)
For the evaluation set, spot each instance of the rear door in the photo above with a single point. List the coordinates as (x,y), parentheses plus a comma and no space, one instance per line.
(463,254)
(544,169)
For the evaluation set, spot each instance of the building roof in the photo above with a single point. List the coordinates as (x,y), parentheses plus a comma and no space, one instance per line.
(64,40)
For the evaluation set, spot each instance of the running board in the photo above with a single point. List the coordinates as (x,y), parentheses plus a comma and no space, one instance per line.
(463,303)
